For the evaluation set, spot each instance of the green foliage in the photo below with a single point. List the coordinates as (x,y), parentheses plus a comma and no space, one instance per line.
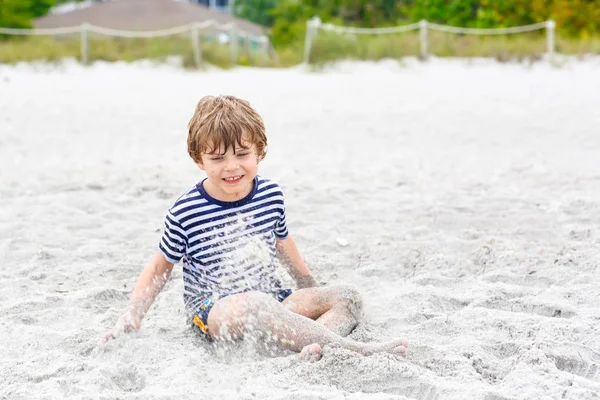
(453,12)
(578,22)
(38,8)
(290,22)
(529,47)
(19,13)
(330,47)
(574,18)
(14,14)
(257,11)
(101,48)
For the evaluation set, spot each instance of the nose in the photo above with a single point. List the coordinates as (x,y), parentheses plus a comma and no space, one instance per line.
(232,165)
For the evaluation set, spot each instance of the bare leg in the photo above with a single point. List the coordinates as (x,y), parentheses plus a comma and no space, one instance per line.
(259,315)
(338,308)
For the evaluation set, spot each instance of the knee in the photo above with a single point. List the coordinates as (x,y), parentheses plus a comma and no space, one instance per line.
(352,297)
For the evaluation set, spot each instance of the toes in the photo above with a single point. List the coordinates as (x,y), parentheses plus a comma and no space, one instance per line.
(401,345)
(401,350)
(304,355)
(311,353)
(315,352)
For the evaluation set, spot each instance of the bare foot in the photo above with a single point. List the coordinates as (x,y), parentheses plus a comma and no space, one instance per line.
(397,347)
(311,353)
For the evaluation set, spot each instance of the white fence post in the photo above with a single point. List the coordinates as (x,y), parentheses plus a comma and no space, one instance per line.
(550,43)
(263,43)
(312,25)
(423,37)
(247,44)
(233,42)
(84,43)
(196,45)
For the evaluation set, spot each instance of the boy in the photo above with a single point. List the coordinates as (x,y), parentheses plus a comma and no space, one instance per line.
(230,229)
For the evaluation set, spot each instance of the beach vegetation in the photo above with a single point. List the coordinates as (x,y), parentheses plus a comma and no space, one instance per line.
(578,33)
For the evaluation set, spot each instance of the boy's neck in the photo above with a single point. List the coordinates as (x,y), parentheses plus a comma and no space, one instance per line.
(219,194)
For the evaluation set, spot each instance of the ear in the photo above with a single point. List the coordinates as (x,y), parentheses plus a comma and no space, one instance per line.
(201,165)
(263,155)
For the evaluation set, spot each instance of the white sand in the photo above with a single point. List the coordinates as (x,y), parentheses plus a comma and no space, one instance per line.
(468,196)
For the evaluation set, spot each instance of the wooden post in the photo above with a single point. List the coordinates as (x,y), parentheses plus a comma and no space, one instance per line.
(312,25)
(84,43)
(248,45)
(196,45)
(423,37)
(233,44)
(550,42)
(263,46)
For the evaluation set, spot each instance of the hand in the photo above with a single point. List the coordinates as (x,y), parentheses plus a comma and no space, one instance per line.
(306,281)
(127,323)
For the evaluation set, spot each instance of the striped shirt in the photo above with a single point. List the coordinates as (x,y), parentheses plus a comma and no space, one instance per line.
(227,247)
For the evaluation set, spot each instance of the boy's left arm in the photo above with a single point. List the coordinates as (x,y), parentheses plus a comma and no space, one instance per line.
(291,259)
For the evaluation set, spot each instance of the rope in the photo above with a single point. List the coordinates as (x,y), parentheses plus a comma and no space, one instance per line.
(139,34)
(53,31)
(492,31)
(228,26)
(372,31)
(430,25)
(122,33)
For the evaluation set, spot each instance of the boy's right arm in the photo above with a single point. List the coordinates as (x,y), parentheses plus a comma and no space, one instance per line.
(150,282)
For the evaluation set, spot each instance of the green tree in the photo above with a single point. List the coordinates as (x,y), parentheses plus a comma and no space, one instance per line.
(453,12)
(291,15)
(575,18)
(13,14)
(38,8)
(290,22)
(19,13)
(257,11)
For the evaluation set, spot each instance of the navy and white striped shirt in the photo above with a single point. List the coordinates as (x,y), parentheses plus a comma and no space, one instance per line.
(227,247)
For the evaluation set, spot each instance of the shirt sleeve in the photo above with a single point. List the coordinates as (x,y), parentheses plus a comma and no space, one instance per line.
(172,242)
(281,230)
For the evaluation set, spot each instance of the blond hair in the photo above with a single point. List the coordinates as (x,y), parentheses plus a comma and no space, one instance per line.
(223,122)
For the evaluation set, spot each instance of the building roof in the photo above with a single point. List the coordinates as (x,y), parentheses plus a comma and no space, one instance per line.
(144,15)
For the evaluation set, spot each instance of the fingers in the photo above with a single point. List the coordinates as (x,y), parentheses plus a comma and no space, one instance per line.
(125,324)
(111,335)
(105,339)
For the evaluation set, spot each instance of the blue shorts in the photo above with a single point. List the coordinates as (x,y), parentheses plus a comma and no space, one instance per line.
(200,316)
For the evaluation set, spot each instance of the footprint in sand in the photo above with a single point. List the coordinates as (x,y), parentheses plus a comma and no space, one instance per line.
(577,360)
(126,378)
(109,294)
(577,366)
(520,306)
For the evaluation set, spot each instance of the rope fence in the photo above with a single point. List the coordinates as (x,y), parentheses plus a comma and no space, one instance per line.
(313,25)
(194,29)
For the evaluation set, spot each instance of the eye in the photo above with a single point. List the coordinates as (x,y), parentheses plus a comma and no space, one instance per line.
(243,154)
(216,158)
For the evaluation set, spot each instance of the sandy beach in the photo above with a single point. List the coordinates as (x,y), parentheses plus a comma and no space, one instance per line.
(461,197)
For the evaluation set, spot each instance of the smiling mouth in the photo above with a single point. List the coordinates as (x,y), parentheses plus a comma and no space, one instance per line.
(233,179)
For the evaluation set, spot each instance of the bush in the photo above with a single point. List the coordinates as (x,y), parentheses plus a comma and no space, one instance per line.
(104,48)
(329,47)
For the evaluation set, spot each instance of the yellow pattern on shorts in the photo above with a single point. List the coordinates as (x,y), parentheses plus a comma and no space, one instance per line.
(200,324)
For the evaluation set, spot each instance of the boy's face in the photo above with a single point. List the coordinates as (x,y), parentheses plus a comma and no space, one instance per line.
(230,176)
